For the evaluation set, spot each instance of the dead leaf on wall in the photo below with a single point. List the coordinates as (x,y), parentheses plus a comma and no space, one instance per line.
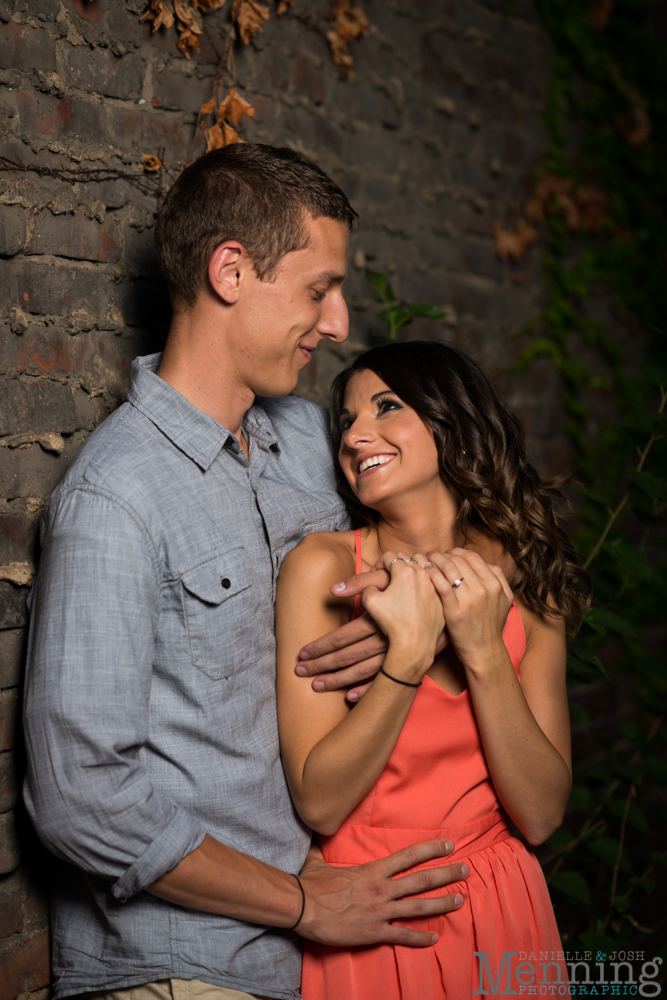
(249,17)
(159,13)
(151,163)
(187,27)
(634,125)
(207,108)
(283,6)
(205,5)
(349,23)
(513,243)
(218,136)
(233,108)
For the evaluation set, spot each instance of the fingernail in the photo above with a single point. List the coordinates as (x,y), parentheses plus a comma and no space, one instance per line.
(338,587)
(458,900)
(449,847)
(303,655)
(465,871)
(353,696)
(435,938)
(428,565)
(318,685)
(301,671)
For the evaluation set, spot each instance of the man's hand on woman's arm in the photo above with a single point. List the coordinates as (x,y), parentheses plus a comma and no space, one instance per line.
(344,906)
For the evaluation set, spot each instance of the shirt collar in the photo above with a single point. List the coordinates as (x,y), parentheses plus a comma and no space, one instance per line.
(194,432)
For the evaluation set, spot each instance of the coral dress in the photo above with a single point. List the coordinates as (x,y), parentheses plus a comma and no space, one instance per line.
(437,784)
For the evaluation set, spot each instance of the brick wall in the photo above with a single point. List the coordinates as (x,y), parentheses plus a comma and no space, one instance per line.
(433,139)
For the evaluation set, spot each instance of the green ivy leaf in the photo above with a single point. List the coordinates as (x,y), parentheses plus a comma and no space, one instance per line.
(380,283)
(592,620)
(605,617)
(572,884)
(590,658)
(606,849)
(581,673)
(653,486)
(430,312)
(628,556)
(621,905)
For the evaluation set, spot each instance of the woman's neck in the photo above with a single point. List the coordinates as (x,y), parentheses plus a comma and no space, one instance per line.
(419,526)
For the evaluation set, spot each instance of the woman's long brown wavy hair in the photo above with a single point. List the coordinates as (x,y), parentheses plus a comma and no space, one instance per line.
(482,457)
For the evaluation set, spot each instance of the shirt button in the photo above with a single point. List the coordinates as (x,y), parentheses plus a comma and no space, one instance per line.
(226,582)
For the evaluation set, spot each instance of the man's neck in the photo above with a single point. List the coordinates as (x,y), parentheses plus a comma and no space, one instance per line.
(195,364)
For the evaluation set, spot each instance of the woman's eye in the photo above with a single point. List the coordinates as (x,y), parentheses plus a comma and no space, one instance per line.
(388,404)
(345,424)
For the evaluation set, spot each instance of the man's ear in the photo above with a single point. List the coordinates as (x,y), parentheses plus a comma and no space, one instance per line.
(226,269)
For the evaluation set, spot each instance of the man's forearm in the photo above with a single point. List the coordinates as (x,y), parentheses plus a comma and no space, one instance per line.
(218,879)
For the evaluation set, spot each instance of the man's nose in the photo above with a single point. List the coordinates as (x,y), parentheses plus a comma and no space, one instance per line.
(335,320)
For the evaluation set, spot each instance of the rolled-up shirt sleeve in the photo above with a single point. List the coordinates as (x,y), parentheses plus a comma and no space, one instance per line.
(94,612)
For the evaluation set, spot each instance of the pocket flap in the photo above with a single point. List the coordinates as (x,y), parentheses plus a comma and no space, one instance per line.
(219,578)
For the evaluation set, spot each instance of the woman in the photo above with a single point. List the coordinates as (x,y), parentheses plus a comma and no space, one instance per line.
(447,745)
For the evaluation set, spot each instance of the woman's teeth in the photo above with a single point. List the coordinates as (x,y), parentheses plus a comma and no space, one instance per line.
(368,463)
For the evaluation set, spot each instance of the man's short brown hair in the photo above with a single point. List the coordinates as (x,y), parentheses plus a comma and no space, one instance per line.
(248,192)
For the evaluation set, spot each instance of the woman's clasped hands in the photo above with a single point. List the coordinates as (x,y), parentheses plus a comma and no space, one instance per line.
(410,613)
(425,593)
(476,599)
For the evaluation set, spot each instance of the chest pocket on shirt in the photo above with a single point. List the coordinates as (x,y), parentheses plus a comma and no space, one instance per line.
(219,614)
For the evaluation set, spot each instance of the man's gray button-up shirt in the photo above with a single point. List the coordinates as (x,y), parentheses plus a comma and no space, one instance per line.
(150,692)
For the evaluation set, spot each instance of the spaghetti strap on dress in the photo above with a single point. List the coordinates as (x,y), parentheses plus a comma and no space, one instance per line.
(437,784)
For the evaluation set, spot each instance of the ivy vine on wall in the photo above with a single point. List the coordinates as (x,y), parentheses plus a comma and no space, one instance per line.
(599,205)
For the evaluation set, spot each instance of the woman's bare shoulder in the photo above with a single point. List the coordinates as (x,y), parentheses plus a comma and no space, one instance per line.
(322,555)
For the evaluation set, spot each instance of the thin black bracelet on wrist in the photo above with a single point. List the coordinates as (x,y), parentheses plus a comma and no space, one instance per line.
(303,904)
(408,684)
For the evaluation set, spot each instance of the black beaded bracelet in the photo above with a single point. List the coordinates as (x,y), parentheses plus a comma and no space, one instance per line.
(303,904)
(408,684)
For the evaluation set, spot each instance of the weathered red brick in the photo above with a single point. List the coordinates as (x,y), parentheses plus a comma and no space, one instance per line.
(22,47)
(12,651)
(10,857)
(8,789)
(76,237)
(25,966)
(11,910)
(9,706)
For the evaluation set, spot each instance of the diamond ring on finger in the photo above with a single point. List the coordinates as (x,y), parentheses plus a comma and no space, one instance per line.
(457,583)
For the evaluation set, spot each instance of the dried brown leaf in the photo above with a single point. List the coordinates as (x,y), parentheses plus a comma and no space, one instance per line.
(507,243)
(249,16)
(634,125)
(207,109)
(233,108)
(348,24)
(221,135)
(151,163)
(159,13)
(283,6)
(187,27)
(206,5)
(599,13)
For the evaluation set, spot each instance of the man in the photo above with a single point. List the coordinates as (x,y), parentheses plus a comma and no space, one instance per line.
(154,769)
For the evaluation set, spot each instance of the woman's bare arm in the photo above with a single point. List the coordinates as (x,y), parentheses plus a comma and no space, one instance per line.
(525,726)
(323,741)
